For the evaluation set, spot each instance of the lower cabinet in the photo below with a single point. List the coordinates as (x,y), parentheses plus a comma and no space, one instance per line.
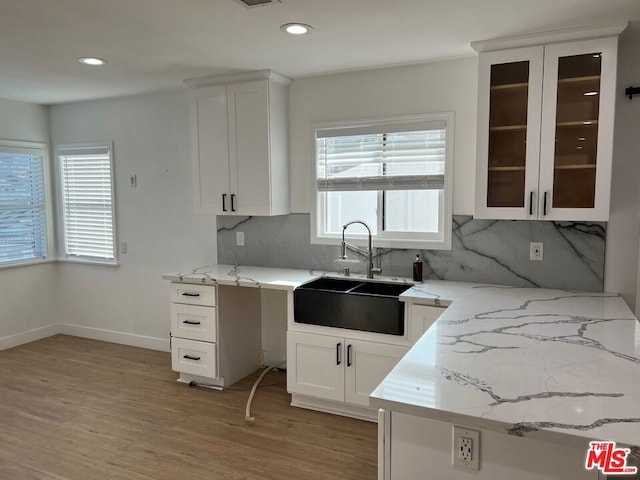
(341,369)
(215,333)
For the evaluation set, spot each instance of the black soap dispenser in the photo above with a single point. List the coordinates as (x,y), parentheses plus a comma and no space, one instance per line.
(417,269)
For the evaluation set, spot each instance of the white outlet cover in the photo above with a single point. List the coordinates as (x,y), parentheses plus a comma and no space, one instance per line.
(471,437)
(536,251)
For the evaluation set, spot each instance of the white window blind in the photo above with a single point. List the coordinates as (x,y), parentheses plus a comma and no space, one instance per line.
(87,202)
(381,157)
(22,205)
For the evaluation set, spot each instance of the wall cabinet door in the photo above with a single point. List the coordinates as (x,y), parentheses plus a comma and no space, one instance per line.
(577,130)
(509,109)
(545,131)
(315,365)
(249,148)
(210,148)
(366,365)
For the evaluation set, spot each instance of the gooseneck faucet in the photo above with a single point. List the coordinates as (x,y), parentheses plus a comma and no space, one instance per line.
(368,253)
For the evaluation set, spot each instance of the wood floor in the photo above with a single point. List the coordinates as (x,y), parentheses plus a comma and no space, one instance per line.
(73,408)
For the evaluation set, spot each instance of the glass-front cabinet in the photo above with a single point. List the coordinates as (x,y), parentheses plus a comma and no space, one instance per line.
(545,131)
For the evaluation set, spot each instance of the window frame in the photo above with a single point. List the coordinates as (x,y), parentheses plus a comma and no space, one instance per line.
(43,149)
(402,240)
(62,256)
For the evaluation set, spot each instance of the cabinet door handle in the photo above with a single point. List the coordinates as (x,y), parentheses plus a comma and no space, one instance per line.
(190,294)
(191,357)
(338,349)
(349,355)
(530,203)
(233,203)
(544,204)
(191,322)
(224,202)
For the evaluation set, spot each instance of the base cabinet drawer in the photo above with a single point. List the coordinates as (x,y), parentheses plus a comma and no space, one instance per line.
(193,294)
(196,358)
(193,322)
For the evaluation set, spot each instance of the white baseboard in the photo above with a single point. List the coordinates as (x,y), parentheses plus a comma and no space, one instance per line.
(28,336)
(133,340)
(141,341)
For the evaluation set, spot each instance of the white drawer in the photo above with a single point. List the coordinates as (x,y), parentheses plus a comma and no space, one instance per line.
(193,294)
(194,322)
(196,358)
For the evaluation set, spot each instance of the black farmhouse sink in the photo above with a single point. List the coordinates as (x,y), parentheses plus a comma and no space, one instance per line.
(368,306)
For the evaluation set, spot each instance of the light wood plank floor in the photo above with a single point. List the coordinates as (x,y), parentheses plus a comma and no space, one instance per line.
(72,408)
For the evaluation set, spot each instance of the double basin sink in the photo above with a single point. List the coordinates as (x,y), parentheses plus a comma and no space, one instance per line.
(369,306)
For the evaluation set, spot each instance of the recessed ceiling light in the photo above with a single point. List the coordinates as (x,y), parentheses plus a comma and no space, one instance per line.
(296,28)
(93,61)
(582,139)
(590,94)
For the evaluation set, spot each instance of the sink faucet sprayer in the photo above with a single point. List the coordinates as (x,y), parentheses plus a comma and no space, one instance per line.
(368,253)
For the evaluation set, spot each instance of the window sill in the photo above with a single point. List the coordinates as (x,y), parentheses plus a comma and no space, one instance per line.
(26,263)
(89,262)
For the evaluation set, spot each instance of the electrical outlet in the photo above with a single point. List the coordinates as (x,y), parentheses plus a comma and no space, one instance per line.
(124,248)
(536,251)
(466,448)
(133,180)
(240,239)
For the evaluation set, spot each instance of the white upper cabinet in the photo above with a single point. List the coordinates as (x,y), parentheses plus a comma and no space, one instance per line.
(239,144)
(545,126)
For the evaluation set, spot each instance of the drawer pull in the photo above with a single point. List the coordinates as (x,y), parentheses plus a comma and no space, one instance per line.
(191,322)
(190,294)
(191,357)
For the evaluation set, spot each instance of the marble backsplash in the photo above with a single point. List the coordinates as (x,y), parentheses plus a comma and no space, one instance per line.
(487,251)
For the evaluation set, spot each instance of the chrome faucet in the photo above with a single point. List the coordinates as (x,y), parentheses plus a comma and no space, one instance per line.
(368,253)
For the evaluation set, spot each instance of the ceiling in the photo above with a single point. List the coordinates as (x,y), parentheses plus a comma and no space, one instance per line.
(155,44)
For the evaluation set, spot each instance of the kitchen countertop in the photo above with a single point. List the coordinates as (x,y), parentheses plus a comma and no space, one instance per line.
(556,365)
(267,277)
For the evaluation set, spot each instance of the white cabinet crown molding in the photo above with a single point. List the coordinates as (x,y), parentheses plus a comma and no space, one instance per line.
(238,77)
(551,36)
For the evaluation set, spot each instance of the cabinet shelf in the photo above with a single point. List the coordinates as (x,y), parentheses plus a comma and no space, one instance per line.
(575,167)
(510,86)
(508,128)
(590,78)
(581,123)
(509,168)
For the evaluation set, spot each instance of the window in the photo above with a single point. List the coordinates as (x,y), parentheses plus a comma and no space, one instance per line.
(86,202)
(23,205)
(393,174)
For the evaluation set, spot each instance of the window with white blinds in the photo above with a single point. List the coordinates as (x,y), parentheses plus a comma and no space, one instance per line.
(23,222)
(395,175)
(86,202)
(381,157)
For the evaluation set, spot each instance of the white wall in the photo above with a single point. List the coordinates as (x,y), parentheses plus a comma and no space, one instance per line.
(621,264)
(150,135)
(26,293)
(428,88)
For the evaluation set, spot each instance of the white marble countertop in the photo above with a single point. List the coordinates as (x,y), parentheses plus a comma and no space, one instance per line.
(265,277)
(556,365)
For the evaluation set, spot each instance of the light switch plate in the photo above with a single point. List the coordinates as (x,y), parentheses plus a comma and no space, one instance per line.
(240,239)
